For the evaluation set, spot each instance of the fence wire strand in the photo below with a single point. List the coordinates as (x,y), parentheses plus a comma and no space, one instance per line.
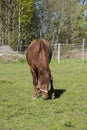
(69,51)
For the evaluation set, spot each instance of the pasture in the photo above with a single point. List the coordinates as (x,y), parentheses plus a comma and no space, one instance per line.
(68,111)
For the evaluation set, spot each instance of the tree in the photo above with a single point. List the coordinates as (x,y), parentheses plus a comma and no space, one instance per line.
(15,20)
(41,18)
(27,10)
(61,21)
(57,20)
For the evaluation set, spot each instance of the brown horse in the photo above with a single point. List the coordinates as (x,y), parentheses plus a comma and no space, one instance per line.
(38,56)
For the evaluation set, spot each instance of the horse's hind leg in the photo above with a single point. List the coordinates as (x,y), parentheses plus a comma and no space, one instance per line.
(35,82)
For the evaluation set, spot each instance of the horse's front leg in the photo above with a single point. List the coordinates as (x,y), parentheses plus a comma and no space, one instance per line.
(35,83)
(52,93)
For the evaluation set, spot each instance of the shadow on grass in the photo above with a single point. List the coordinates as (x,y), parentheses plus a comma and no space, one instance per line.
(59,92)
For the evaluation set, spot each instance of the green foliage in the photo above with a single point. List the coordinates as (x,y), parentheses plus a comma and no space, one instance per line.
(15,21)
(62,21)
(18,111)
(58,21)
(27,9)
(80,24)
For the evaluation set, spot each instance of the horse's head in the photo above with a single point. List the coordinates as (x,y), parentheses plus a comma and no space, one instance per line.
(44,80)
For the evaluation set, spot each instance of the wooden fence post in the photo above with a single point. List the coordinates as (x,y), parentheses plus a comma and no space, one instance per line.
(83,50)
(59,53)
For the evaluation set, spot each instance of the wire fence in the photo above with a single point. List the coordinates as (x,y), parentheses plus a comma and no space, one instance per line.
(67,51)
(64,51)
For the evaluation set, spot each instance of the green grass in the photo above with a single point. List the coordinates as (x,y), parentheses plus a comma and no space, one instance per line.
(18,111)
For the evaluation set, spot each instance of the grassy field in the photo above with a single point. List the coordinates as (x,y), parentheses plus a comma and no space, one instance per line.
(18,111)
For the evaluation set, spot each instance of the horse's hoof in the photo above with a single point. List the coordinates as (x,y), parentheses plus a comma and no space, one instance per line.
(53,96)
(34,97)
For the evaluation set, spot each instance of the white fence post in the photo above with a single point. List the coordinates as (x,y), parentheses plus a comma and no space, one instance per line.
(59,53)
(83,50)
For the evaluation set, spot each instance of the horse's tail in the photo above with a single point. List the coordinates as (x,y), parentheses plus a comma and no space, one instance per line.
(47,50)
(42,47)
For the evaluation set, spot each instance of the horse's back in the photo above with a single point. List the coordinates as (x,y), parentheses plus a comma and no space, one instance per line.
(36,50)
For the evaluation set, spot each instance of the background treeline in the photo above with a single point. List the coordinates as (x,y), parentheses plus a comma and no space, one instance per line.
(63,21)
(15,22)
